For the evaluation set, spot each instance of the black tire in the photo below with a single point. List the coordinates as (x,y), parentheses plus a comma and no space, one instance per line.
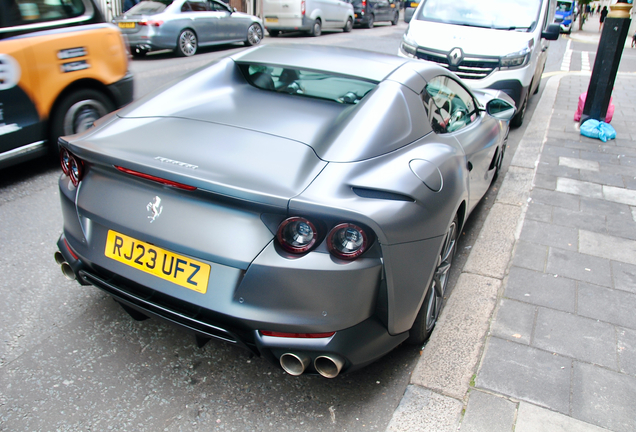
(273,33)
(316,29)
(431,306)
(396,18)
(76,112)
(370,21)
(187,43)
(254,34)
(517,120)
(500,159)
(348,26)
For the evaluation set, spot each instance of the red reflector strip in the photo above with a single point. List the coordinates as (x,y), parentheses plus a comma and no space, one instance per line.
(297,335)
(70,250)
(156,179)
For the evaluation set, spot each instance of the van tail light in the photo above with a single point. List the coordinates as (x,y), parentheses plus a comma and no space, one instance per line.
(347,241)
(364,4)
(297,235)
(150,23)
(302,7)
(72,166)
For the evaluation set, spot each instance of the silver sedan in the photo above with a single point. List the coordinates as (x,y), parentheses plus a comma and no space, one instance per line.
(184,25)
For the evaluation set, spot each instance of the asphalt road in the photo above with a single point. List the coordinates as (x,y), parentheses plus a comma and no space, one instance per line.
(71,359)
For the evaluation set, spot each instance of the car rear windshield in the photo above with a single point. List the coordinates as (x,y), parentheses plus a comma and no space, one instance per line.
(308,83)
(146,8)
(497,14)
(15,13)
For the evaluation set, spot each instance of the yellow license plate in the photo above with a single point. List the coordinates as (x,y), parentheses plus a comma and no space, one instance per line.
(126,25)
(414,5)
(271,20)
(159,262)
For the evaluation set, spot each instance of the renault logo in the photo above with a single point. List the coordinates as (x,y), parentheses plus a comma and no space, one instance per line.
(456,56)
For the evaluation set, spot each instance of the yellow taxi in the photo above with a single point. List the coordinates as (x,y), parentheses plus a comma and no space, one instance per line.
(61,68)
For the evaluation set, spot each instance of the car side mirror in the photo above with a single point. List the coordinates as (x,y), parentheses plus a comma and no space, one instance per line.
(552,32)
(234,10)
(500,109)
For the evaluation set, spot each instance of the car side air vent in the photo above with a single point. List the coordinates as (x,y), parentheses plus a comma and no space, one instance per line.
(378,194)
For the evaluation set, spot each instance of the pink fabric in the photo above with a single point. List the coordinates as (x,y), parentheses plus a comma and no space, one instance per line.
(579,109)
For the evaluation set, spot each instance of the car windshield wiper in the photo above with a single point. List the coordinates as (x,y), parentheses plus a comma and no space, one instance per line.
(511,28)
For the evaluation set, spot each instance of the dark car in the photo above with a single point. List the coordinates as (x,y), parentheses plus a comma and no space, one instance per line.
(318,232)
(368,12)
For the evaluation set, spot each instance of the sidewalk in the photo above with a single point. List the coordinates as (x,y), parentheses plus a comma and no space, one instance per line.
(539,333)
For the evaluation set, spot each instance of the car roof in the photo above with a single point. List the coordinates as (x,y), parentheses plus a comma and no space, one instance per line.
(345,61)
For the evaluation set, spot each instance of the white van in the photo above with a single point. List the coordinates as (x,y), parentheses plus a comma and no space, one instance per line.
(495,44)
(310,16)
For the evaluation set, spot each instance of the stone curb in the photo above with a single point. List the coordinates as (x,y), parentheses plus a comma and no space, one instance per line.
(434,400)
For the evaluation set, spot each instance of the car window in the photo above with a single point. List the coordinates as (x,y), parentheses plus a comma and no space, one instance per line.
(35,11)
(216,6)
(195,6)
(314,84)
(449,106)
(147,8)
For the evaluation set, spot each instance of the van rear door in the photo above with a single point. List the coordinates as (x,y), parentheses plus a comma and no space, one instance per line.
(283,13)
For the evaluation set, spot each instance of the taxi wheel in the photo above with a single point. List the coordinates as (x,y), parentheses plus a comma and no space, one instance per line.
(347,28)
(396,18)
(76,112)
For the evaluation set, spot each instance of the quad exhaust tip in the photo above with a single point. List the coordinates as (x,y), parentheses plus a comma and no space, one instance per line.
(329,366)
(294,364)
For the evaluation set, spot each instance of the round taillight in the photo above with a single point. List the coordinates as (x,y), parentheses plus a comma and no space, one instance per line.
(65,161)
(347,241)
(297,235)
(75,170)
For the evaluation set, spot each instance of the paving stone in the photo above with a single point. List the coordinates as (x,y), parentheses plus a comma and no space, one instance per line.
(601,207)
(622,226)
(599,156)
(545,181)
(604,398)
(619,195)
(531,418)
(624,276)
(556,199)
(606,304)
(606,246)
(579,219)
(541,289)
(422,410)
(604,178)
(529,255)
(554,169)
(558,151)
(515,187)
(550,235)
(514,321)
(539,212)
(526,373)
(488,413)
(576,187)
(574,336)
(579,266)
(626,350)
(580,164)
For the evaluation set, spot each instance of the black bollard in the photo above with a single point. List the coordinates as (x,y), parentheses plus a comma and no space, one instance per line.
(608,57)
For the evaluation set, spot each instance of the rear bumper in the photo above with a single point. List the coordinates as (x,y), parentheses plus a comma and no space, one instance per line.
(123,90)
(358,345)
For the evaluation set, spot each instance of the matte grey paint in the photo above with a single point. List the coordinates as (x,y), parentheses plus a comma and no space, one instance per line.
(264,156)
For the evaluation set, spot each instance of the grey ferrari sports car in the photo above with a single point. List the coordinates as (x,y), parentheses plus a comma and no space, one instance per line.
(308,213)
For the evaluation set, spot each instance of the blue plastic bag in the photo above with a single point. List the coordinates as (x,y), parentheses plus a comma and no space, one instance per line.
(598,129)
